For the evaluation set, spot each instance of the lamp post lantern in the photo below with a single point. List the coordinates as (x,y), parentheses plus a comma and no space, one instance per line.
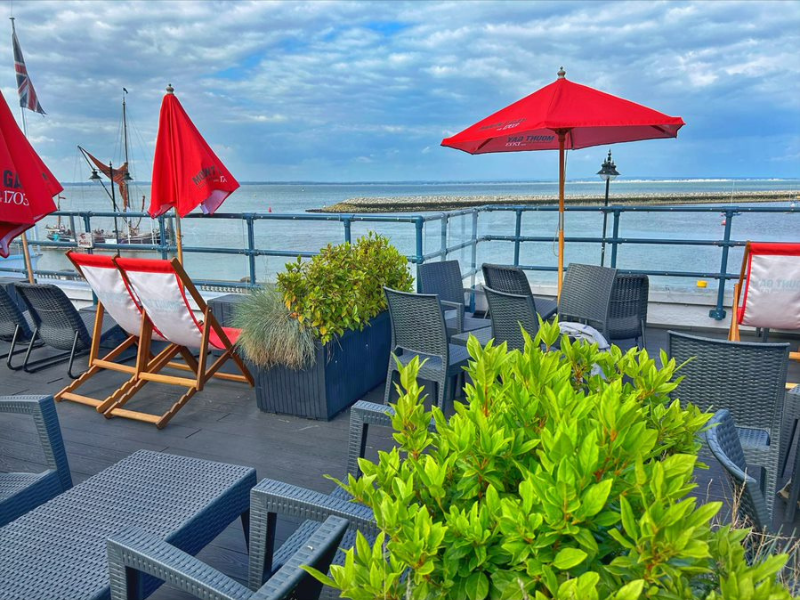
(608,172)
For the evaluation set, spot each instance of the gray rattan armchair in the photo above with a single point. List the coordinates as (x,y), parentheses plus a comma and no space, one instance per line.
(14,327)
(723,441)
(586,295)
(272,499)
(134,550)
(444,279)
(749,380)
(627,316)
(510,314)
(512,280)
(21,492)
(418,329)
(59,325)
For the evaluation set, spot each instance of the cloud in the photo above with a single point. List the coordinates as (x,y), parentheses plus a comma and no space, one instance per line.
(333,90)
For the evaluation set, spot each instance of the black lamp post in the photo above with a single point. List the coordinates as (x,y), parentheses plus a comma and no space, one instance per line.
(607,172)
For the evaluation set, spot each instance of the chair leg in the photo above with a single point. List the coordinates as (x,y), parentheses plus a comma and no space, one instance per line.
(443,387)
(12,351)
(246,526)
(387,394)
(644,340)
(72,356)
(30,347)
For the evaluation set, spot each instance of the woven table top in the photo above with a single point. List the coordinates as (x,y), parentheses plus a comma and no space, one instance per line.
(58,550)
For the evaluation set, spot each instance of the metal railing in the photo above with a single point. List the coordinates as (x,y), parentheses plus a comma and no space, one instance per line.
(470,241)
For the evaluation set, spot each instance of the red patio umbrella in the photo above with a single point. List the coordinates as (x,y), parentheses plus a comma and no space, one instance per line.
(186,172)
(27,186)
(564,115)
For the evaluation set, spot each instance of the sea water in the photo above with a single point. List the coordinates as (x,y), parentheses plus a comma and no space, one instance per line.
(296,236)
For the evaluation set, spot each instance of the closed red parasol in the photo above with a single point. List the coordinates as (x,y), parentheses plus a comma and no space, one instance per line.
(564,115)
(186,171)
(27,186)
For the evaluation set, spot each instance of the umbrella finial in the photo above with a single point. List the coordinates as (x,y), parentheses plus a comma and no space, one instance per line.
(561,73)
(170,89)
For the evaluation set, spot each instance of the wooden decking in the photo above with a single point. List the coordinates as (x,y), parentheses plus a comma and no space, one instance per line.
(222,423)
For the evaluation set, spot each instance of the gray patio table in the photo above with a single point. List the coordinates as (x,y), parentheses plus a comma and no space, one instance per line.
(58,550)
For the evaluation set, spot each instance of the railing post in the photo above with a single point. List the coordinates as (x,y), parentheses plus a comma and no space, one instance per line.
(87,226)
(474,256)
(614,243)
(347,235)
(251,248)
(445,221)
(517,234)
(163,242)
(719,312)
(419,224)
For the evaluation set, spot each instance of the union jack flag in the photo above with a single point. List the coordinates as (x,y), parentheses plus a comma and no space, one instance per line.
(27,95)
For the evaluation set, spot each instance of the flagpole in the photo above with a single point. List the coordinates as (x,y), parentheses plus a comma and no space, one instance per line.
(26,251)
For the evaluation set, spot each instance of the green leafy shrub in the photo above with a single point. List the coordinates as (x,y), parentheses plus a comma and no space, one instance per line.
(342,287)
(270,334)
(554,480)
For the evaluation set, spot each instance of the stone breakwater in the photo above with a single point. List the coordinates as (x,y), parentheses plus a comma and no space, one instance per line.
(428,203)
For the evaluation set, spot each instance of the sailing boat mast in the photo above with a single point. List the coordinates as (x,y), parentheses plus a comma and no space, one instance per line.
(127,176)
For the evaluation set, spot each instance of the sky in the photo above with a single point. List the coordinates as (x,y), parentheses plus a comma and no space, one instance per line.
(365,91)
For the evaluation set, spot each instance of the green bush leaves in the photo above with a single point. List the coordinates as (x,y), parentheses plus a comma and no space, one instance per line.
(564,475)
(341,288)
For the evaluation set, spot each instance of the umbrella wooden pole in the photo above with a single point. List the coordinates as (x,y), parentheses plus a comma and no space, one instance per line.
(561,178)
(26,251)
(178,237)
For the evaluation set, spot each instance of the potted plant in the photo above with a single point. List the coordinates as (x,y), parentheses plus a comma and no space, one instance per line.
(564,475)
(319,338)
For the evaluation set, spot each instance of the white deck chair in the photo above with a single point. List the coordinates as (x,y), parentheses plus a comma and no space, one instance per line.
(118,301)
(768,290)
(161,287)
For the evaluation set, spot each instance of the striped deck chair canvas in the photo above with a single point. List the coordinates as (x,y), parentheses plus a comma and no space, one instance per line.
(768,292)
(116,300)
(161,287)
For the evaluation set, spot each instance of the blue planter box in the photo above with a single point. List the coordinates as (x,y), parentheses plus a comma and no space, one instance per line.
(345,370)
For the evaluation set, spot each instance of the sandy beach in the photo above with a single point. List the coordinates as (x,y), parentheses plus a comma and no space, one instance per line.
(449,202)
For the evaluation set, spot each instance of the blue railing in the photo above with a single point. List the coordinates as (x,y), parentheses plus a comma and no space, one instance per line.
(443,225)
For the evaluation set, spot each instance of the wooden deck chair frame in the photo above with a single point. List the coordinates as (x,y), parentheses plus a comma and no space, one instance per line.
(96,362)
(740,290)
(148,367)
(130,323)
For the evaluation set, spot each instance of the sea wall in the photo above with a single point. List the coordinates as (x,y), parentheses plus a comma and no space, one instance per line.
(447,202)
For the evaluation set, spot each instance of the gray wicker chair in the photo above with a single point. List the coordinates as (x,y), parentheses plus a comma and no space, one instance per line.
(418,329)
(272,499)
(14,327)
(510,313)
(512,280)
(135,550)
(749,380)
(21,492)
(627,316)
(59,325)
(586,295)
(444,279)
(723,441)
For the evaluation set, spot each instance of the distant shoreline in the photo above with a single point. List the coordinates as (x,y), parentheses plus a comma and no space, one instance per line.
(452,202)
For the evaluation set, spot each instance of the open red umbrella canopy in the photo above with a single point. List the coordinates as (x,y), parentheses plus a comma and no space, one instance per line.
(564,116)
(585,116)
(186,172)
(27,186)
